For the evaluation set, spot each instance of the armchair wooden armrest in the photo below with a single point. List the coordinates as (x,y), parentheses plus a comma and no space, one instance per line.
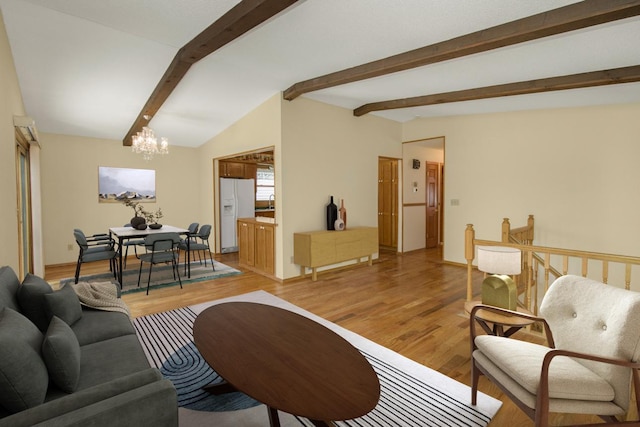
(543,388)
(473,317)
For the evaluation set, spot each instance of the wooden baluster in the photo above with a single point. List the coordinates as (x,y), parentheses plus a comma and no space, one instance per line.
(527,301)
(469,251)
(627,276)
(506,230)
(605,271)
(535,268)
(565,265)
(585,266)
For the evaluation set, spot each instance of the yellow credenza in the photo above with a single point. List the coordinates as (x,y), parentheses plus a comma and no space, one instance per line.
(315,249)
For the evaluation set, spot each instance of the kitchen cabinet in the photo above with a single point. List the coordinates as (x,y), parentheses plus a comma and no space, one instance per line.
(237,169)
(256,245)
(264,248)
(246,243)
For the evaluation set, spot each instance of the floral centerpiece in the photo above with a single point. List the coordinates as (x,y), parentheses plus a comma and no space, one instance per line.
(142,216)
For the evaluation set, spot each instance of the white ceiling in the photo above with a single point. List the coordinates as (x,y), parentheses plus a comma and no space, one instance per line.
(87,67)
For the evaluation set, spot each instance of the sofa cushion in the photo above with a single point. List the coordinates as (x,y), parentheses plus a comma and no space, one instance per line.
(23,374)
(99,325)
(110,359)
(64,304)
(31,300)
(61,354)
(9,284)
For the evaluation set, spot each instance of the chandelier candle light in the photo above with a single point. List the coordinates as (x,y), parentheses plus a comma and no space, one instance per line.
(146,143)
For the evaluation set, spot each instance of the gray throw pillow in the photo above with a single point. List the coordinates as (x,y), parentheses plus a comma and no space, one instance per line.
(23,374)
(61,354)
(64,304)
(31,299)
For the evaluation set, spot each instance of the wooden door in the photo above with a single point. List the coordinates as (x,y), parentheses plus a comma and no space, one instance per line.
(246,243)
(264,248)
(433,201)
(388,202)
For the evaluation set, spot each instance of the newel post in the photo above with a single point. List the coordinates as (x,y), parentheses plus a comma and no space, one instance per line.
(530,224)
(469,253)
(506,230)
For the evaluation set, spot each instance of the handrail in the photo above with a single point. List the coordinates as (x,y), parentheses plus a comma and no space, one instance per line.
(542,254)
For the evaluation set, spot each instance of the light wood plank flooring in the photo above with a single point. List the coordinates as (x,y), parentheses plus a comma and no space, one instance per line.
(410,303)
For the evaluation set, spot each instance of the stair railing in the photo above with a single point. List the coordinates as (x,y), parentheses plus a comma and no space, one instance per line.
(539,258)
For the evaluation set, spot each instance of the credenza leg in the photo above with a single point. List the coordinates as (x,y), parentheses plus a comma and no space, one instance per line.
(314,274)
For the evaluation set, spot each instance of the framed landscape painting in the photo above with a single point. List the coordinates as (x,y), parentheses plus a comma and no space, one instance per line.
(119,184)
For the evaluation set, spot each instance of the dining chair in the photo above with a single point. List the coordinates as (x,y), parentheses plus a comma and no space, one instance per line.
(95,248)
(128,243)
(161,248)
(199,243)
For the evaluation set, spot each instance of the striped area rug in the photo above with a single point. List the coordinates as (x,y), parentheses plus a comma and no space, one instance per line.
(411,394)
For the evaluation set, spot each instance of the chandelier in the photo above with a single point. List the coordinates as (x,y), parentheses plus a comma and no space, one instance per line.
(146,143)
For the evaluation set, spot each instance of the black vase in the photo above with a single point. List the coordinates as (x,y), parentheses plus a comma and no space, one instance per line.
(332,214)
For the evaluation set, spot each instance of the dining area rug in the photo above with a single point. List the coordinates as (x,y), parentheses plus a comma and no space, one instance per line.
(411,394)
(161,276)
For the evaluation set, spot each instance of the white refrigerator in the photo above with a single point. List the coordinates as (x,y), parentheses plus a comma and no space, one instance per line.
(237,200)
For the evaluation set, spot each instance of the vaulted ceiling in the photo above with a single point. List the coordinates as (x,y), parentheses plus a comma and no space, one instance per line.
(94,68)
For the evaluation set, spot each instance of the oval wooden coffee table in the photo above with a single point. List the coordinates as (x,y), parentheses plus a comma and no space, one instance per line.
(286,361)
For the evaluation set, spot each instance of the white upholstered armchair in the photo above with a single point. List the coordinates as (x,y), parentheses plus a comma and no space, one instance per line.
(596,325)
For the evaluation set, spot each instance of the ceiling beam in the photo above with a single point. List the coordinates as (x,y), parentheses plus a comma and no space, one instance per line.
(573,81)
(240,19)
(572,17)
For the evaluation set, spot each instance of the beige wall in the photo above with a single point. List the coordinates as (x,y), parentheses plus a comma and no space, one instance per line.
(414,217)
(10,105)
(70,189)
(575,169)
(326,151)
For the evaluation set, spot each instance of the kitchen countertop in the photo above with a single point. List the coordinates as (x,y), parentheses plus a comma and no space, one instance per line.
(259,219)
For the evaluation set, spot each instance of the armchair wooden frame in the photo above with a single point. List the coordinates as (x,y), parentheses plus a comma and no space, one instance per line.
(540,414)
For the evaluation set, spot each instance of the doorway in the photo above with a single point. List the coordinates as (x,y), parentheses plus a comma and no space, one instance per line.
(258,166)
(423,194)
(23,183)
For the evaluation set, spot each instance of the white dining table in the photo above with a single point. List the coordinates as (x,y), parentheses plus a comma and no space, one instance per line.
(126,233)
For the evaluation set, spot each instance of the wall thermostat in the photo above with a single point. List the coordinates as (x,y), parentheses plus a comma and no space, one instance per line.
(416,164)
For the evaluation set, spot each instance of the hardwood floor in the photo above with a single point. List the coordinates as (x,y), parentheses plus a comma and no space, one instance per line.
(410,303)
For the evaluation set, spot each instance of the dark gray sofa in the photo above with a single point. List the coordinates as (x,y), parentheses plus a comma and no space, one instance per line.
(62,364)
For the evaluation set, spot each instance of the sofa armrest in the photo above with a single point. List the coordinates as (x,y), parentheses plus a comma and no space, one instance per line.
(143,398)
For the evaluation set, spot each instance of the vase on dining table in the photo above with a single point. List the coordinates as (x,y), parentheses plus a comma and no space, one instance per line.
(138,222)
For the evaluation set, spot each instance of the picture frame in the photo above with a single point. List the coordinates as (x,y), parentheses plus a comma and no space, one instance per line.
(118,184)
